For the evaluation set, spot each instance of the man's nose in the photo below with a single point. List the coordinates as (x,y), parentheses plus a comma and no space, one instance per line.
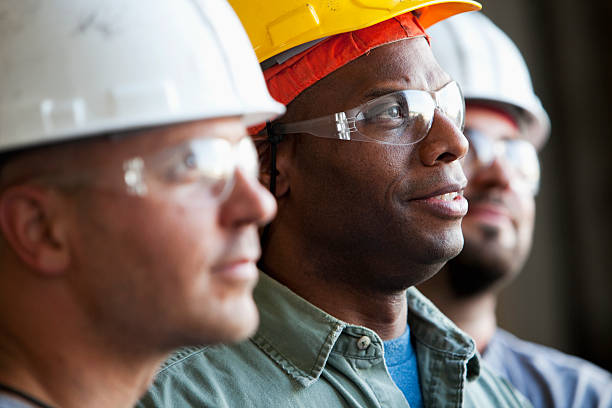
(494,174)
(445,142)
(248,203)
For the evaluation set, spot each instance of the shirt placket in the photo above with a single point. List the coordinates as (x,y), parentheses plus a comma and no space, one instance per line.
(358,357)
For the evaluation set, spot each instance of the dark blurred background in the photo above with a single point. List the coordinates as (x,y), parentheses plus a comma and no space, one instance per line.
(563,298)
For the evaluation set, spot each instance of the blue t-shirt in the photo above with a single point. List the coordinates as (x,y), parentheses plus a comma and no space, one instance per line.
(7,401)
(402,364)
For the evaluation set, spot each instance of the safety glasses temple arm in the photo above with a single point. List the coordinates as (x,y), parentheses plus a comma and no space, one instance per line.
(336,126)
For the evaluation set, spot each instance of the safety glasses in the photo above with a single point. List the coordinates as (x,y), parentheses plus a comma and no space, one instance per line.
(398,118)
(204,166)
(208,162)
(519,154)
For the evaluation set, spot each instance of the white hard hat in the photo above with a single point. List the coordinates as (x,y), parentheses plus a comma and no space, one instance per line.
(70,69)
(489,68)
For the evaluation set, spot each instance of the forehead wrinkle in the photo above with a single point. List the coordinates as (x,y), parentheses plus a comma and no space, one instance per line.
(407,67)
(68,158)
(391,69)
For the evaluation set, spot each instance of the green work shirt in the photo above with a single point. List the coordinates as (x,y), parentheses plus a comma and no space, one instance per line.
(304,357)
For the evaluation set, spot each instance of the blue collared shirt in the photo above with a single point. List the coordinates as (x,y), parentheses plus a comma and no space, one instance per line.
(548,377)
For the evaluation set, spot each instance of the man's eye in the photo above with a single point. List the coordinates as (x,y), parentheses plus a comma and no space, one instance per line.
(391,112)
(394,112)
(185,168)
(190,161)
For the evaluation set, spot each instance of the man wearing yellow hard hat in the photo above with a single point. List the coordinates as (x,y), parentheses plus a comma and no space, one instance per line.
(365,168)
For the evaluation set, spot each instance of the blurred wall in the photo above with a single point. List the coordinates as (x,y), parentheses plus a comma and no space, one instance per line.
(563,298)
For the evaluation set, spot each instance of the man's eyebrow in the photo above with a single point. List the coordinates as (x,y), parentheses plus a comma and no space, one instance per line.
(377,92)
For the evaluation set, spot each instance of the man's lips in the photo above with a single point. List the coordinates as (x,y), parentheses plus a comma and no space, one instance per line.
(237,270)
(491,212)
(442,192)
(446,202)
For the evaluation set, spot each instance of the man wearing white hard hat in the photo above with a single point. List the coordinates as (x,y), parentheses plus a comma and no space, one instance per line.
(129,200)
(506,126)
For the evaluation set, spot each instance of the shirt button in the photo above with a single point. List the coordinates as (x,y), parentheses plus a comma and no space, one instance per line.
(363,342)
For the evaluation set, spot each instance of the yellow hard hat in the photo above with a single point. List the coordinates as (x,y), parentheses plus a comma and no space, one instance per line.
(275,26)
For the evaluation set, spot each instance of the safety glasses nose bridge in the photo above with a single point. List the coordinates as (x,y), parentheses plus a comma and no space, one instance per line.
(518,154)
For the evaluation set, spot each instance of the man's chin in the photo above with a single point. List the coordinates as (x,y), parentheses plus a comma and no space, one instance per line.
(490,236)
(445,247)
(230,321)
(479,269)
(436,255)
(242,322)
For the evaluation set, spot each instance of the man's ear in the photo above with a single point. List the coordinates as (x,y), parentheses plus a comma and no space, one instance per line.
(32,226)
(282,151)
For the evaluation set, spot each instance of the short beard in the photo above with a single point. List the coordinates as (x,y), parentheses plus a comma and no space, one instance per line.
(471,273)
(470,280)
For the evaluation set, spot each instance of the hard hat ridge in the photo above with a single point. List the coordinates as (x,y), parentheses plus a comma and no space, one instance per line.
(278,25)
(103,66)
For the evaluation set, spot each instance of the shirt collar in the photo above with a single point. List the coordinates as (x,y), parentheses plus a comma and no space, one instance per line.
(296,334)
(439,334)
(299,336)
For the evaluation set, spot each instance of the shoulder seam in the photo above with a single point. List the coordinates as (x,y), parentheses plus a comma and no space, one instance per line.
(180,356)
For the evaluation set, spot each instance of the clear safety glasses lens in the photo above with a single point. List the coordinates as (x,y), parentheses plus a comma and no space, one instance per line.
(519,154)
(399,118)
(209,162)
(451,103)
